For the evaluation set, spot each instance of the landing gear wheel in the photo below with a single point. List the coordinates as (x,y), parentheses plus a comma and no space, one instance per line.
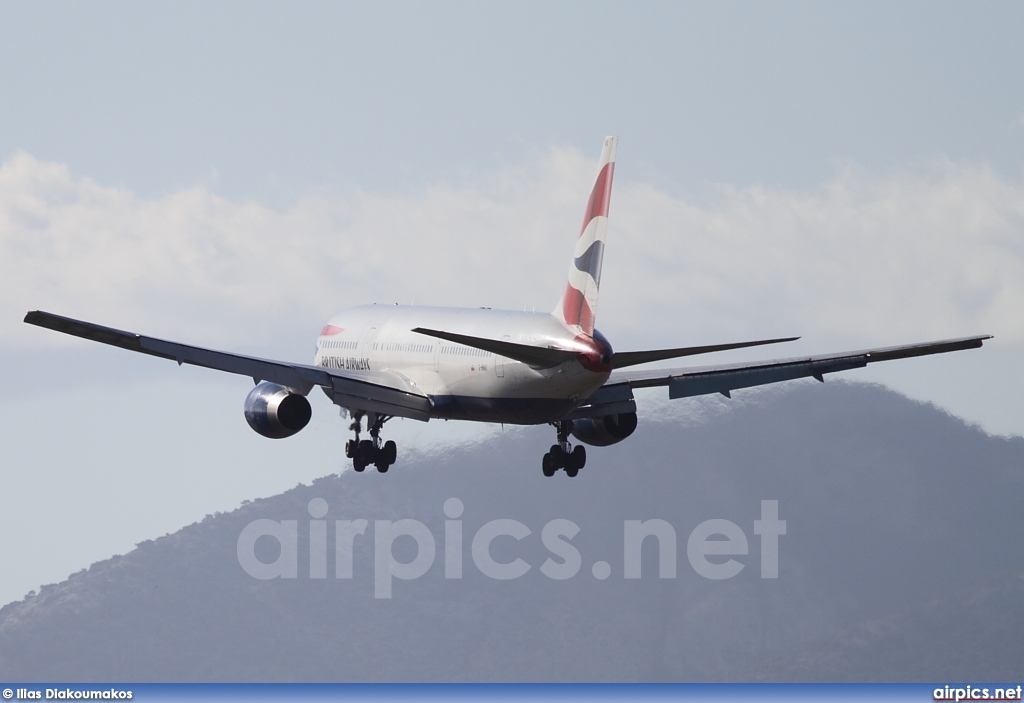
(557,457)
(575,461)
(548,465)
(562,454)
(364,452)
(578,458)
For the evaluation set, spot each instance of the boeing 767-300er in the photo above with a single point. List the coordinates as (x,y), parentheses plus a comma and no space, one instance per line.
(385,361)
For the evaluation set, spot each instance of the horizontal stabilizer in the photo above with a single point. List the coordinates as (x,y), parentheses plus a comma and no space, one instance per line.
(621,360)
(536,357)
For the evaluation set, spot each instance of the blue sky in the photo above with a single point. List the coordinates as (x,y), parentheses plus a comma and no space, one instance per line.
(231,174)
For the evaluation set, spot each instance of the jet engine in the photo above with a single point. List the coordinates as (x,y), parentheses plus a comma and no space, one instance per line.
(604,430)
(275,411)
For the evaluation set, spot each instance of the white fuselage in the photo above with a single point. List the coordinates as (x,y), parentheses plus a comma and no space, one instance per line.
(463,382)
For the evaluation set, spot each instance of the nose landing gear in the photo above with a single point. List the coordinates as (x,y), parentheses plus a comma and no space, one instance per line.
(563,455)
(370,451)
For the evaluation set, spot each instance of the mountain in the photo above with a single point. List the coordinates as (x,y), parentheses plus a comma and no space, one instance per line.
(972,634)
(901,560)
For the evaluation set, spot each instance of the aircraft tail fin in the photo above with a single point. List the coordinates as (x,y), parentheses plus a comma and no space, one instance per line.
(579,300)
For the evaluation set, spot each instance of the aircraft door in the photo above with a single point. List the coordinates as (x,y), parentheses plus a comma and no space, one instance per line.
(499,361)
(368,340)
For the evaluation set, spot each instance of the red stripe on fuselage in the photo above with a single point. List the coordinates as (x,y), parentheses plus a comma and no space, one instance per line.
(600,196)
(576,310)
(330,330)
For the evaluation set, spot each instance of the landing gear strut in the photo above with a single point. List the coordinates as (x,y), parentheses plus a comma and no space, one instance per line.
(370,451)
(562,455)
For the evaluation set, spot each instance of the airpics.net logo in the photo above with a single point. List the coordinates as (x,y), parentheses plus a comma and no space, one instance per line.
(714,548)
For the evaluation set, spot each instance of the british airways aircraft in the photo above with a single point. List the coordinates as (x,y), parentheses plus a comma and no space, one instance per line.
(384,361)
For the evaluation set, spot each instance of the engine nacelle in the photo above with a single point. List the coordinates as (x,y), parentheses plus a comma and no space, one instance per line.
(604,430)
(276,412)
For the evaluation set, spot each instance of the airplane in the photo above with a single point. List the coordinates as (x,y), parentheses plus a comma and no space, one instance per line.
(378,362)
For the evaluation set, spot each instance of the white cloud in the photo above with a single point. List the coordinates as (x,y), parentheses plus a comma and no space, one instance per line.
(876,260)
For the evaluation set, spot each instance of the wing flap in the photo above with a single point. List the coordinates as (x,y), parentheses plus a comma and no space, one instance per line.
(398,397)
(88,330)
(299,377)
(724,382)
(381,391)
(606,400)
(689,382)
(296,376)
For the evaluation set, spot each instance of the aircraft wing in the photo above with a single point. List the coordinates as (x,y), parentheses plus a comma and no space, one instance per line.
(701,380)
(382,391)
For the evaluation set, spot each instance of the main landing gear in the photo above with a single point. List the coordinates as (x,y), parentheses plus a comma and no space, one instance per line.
(563,455)
(370,451)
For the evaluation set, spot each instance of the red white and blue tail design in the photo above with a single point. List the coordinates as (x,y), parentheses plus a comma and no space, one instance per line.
(579,301)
